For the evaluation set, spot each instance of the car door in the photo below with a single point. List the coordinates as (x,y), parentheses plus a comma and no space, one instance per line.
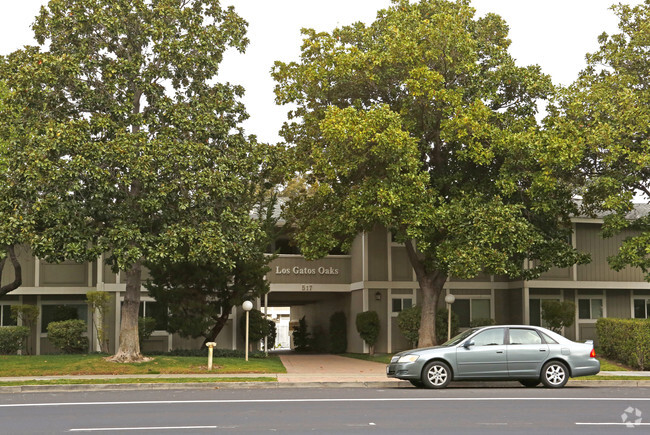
(485,357)
(526,352)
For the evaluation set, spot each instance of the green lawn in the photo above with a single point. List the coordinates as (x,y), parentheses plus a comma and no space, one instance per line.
(134,381)
(51,365)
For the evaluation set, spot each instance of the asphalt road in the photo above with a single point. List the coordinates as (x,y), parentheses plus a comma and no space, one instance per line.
(328,411)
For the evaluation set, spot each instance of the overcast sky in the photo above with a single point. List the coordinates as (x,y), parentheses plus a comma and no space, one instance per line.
(552,33)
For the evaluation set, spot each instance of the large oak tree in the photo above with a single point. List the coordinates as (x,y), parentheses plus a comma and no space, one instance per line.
(149,162)
(423,123)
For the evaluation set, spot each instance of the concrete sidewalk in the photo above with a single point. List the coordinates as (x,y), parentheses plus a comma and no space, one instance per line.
(326,371)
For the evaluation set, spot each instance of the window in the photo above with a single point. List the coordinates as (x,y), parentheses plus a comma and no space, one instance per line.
(401,303)
(524,336)
(469,310)
(156,310)
(535,311)
(548,339)
(490,337)
(641,308)
(61,312)
(590,308)
(5,316)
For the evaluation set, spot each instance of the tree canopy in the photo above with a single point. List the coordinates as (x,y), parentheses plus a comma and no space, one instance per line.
(606,111)
(421,122)
(142,158)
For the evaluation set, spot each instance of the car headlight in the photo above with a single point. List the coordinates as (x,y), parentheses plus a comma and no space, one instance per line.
(408,358)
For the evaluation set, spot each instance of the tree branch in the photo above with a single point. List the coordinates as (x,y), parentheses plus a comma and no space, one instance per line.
(18,274)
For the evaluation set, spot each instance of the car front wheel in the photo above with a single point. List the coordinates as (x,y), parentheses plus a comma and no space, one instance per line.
(436,374)
(555,374)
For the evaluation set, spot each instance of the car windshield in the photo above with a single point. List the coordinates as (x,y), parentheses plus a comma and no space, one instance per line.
(460,337)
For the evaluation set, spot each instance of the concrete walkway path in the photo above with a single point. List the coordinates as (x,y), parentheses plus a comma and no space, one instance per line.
(331,368)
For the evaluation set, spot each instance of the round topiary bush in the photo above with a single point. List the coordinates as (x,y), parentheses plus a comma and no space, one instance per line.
(68,335)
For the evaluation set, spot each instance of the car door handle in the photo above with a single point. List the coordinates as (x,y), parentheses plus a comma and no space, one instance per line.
(542,350)
(499,351)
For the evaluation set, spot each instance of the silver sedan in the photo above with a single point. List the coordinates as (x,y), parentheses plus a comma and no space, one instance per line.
(528,354)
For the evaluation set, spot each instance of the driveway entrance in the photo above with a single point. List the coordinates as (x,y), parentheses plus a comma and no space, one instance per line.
(330,368)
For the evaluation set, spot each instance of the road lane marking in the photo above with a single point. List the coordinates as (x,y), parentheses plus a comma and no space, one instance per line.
(614,424)
(270,401)
(101,429)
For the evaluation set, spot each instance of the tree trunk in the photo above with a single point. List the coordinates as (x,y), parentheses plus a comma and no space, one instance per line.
(18,273)
(129,348)
(218,326)
(431,284)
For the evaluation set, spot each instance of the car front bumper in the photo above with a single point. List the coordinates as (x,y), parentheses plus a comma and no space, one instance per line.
(404,370)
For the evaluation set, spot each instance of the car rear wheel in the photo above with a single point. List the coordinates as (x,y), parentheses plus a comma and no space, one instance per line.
(555,374)
(529,383)
(436,374)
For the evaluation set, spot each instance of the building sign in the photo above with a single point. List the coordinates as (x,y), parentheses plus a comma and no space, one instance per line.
(296,270)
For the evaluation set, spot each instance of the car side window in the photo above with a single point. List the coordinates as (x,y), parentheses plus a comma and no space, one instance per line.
(548,339)
(490,337)
(524,336)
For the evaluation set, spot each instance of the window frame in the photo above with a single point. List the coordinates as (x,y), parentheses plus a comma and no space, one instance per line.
(2,312)
(401,298)
(40,324)
(471,310)
(646,306)
(590,299)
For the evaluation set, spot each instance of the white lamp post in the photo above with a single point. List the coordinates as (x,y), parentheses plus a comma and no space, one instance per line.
(247,306)
(450,300)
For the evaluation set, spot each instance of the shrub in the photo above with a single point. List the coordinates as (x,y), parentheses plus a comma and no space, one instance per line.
(301,337)
(558,314)
(27,314)
(258,326)
(338,333)
(625,340)
(273,334)
(146,326)
(368,327)
(68,335)
(12,339)
(441,325)
(408,321)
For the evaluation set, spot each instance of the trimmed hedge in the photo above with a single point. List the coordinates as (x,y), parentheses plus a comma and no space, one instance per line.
(68,335)
(12,339)
(625,340)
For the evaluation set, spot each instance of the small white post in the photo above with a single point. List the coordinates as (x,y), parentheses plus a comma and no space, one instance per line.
(247,306)
(210,345)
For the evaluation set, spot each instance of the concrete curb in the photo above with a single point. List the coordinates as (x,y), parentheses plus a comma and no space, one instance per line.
(277,385)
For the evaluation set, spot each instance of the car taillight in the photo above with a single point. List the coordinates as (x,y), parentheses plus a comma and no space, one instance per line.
(593,353)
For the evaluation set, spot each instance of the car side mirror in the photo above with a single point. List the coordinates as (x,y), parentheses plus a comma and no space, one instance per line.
(468,343)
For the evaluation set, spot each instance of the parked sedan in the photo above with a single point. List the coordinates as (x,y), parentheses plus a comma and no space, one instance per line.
(528,354)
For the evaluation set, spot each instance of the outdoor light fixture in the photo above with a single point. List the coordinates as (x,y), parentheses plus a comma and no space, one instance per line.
(247,306)
(450,299)
(378,296)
